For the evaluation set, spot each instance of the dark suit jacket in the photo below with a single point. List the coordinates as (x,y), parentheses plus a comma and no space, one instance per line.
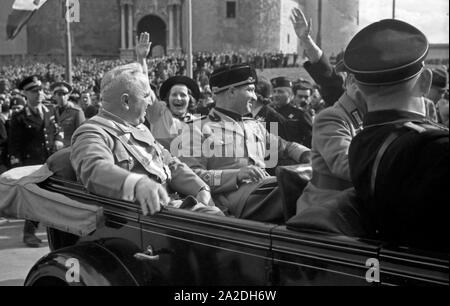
(268,115)
(324,74)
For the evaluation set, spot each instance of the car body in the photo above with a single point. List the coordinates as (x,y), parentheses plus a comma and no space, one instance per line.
(183,248)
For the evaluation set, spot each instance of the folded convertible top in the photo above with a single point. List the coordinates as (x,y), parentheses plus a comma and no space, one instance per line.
(22,198)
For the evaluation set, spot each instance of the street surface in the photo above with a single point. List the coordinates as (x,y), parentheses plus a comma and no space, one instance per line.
(16,259)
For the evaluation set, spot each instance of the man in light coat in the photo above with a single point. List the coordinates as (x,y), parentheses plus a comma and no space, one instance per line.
(116,156)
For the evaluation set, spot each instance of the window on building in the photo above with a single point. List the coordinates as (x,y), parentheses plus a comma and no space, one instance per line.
(289,39)
(231,9)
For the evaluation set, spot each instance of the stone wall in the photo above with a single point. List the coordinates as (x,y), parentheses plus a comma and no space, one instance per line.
(261,25)
(256,26)
(97,33)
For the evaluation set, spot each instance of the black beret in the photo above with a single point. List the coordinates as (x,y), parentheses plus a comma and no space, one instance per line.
(61,86)
(232,76)
(386,53)
(440,78)
(281,82)
(179,80)
(30,82)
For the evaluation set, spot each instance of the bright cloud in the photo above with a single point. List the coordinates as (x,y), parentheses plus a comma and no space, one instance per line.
(429,16)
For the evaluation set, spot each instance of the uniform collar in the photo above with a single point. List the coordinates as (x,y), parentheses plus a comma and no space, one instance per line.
(125,126)
(392,115)
(235,116)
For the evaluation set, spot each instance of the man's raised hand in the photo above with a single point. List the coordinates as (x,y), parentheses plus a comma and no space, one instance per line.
(143,45)
(301,25)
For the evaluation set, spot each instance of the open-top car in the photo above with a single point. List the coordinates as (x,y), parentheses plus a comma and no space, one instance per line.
(180,247)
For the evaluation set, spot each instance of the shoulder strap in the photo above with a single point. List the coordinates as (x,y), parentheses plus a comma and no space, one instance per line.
(436,129)
(386,144)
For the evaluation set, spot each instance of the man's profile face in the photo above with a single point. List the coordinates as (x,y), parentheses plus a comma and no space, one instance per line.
(282,96)
(243,99)
(139,100)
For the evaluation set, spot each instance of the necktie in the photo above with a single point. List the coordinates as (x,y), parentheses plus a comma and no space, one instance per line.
(38,111)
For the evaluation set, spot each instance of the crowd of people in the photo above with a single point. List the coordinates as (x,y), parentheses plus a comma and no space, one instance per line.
(357,126)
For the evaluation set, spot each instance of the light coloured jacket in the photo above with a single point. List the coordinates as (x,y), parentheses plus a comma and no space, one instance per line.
(105,165)
(333,130)
(217,147)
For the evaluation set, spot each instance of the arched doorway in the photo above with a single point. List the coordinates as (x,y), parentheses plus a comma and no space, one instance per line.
(156,27)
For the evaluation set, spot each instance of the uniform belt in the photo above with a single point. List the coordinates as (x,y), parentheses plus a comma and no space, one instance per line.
(323,181)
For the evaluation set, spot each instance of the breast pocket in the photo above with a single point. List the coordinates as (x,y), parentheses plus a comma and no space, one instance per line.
(123,159)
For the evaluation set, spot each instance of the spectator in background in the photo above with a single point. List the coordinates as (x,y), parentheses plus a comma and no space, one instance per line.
(68,116)
(4,126)
(166,118)
(205,103)
(4,86)
(303,91)
(34,136)
(262,111)
(299,122)
(17,103)
(442,110)
(439,85)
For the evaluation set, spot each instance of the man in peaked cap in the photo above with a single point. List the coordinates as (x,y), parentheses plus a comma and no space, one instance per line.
(34,136)
(68,116)
(227,149)
(399,162)
(300,123)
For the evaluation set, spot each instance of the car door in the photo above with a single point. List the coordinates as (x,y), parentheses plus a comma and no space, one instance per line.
(319,259)
(121,219)
(205,250)
(408,267)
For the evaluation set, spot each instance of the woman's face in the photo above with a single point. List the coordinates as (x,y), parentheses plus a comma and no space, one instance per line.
(179,100)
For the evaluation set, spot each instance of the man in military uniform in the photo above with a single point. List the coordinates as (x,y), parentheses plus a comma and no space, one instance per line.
(227,150)
(262,111)
(300,122)
(68,116)
(399,162)
(34,136)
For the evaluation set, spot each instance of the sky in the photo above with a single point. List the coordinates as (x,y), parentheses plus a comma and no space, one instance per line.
(430,16)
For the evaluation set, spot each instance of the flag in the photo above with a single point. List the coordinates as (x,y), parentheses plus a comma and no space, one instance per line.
(22,11)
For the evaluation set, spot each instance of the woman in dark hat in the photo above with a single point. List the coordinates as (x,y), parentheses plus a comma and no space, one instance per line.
(166,118)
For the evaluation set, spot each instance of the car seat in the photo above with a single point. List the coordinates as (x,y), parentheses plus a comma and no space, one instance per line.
(59,163)
(292,180)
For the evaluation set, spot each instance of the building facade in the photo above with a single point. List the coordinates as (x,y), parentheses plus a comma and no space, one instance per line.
(108,28)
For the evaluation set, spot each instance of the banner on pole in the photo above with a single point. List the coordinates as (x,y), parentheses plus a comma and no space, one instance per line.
(71,10)
(22,11)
